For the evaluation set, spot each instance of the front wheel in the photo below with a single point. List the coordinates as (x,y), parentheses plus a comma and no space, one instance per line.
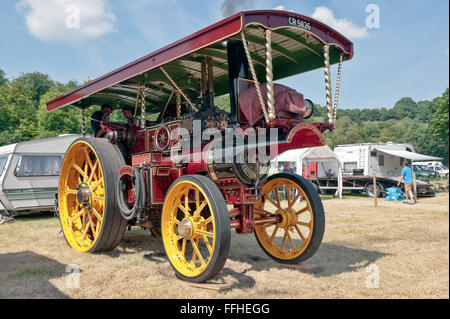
(299,232)
(195,228)
(87,202)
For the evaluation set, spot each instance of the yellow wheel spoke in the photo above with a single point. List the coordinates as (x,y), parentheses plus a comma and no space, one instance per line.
(199,209)
(277,196)
(304,224)
(288,195)
(283,242)
(84,218)
(300,233)
(205,239)
(183,209)
(68,191)
(208,220)
(204,233)
(88,158)
(290,239)
(197,252)
(96,184)
(98,198)
(186,201)
(86,228)
(97,215)
(98,229)
(79,170)
(273,234)
(77,215)
(304,209)
(93,171)
(197,199)
(94,231)
(272,202)
(294,201)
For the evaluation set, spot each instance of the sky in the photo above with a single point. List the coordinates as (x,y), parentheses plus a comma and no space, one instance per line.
(401,47)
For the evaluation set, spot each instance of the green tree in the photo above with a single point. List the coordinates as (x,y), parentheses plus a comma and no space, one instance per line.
(439,120)
(18,115)
(405,107)
(346,132)
(38,83)
(63,121)
(3,79)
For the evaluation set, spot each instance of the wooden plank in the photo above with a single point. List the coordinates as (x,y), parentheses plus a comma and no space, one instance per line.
(208,285)
(306,268)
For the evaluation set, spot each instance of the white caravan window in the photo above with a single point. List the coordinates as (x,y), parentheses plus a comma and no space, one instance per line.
(381,160)
(38,165)
(350,166)
(3,160)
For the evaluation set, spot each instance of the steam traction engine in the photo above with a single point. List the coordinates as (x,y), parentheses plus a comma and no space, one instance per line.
(189,171)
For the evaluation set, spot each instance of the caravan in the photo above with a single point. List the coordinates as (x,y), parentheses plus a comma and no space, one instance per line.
(29,173)
(360,162)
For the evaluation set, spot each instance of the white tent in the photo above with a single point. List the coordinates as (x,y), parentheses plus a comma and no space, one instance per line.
(303,156)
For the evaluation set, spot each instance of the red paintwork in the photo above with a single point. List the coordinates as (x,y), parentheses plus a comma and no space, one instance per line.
(217,32)
(301,136)
(310,171)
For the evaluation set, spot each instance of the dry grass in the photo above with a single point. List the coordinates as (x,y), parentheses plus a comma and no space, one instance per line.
(408,244)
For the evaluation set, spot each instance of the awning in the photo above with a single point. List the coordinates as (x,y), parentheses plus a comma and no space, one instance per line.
(409,155)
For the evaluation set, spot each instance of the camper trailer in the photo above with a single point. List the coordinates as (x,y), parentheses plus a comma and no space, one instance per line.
(29,173)
(361,162)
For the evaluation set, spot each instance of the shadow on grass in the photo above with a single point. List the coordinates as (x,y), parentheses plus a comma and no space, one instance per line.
(138,240)
(25,217)
(332,258)
(27,275)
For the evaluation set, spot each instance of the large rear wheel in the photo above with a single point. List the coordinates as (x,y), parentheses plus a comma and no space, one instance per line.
(88,210)
(299,232)
(195,228)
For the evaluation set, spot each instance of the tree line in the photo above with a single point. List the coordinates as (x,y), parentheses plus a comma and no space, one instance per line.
(424,124)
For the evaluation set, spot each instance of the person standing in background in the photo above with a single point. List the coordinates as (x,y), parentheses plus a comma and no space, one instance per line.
(407,179)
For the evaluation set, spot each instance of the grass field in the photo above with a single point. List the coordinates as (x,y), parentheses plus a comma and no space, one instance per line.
(393,250)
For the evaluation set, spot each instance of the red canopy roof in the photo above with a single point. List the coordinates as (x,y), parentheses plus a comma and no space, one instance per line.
(300,39)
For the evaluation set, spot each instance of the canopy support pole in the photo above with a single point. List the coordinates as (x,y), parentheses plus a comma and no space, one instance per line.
(178,97)
(326,55)
(338,83)
(178,89)
(83,122)
(140,99)
(269,76)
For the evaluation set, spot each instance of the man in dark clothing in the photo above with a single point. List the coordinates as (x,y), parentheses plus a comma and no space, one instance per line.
(98,117)
(127,113)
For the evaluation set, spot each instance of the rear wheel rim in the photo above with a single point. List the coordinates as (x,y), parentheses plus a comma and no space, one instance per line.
(189,229)
(289,238)
(81,196)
